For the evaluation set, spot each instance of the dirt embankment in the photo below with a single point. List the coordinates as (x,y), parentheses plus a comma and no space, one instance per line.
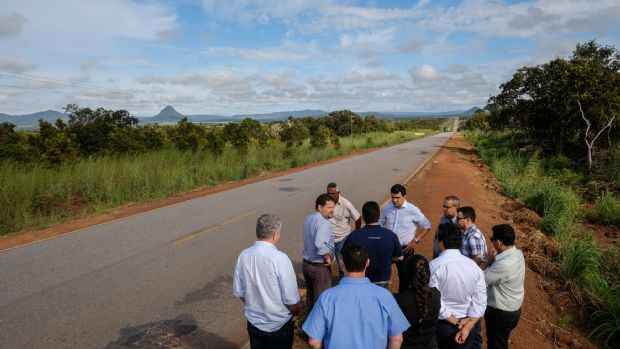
(456,170)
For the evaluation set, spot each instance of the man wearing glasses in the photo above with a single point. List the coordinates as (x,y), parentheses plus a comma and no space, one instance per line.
(450,204)
(404,218)
(474,246)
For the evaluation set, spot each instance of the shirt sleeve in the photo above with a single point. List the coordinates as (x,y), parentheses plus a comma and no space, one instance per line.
(353,212)
(421,220)
(397,322)
(238,284)
(288,281)
(324,245)
(382,219)
(496,273)
(476,246)
(479,298)
(444,313)
(315,325)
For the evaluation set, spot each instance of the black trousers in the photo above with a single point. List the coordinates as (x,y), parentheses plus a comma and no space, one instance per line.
(403,280)
(280,339)
(446,333)
(499,324)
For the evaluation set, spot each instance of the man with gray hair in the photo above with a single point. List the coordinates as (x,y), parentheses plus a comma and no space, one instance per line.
(265,281)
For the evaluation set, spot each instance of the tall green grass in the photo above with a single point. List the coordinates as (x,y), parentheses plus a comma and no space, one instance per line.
(33,196)
(549,187)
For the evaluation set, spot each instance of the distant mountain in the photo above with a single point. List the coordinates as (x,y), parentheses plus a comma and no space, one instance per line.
(31,121)
(169,115)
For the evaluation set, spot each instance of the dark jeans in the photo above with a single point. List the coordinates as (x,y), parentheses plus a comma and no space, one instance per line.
(318,278)
(499,324)
(446,333)
(337,251)
(280,339)
(403,280)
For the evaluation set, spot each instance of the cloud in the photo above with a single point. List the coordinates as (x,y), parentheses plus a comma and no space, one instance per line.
(353,77)
(424,74)
(16,65)
(372,38)
(190,79)
(11,25)
(80,78)
(265,54)
(151,79)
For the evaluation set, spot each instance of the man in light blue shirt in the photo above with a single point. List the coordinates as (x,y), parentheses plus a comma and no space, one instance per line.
(318,252)
(404,218)
(356,313)
(265,281)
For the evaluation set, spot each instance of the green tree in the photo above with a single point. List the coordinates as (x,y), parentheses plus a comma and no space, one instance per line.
(92,128)
(563,105)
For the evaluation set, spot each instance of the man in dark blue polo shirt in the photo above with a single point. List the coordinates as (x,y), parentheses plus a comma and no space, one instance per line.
(382,245)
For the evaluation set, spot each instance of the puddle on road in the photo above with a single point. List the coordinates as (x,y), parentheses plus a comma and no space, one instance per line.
(289,189)
(164,334)
(220,286)
(285,180)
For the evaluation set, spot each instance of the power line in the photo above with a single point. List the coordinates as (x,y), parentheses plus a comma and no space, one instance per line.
(57,81)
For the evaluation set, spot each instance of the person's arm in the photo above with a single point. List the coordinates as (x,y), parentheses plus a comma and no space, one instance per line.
(399,258)
(315,343)
(465,327)
(295,309)
(327,259)
(422,235)
(394,342)
(358,223)
(397,252)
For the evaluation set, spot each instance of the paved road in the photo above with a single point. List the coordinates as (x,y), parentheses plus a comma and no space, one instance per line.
(140,279)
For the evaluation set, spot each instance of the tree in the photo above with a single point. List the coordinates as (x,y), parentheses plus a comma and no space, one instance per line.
(92,128)
(563,105)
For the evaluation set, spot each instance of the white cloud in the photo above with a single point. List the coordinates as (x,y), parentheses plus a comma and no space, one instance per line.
(16,65)
(424,74)
(353,77)
(11,25)
(265,54)
(151,79)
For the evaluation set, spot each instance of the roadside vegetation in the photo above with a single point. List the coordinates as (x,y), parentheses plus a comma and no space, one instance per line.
(551,136)
(102,159)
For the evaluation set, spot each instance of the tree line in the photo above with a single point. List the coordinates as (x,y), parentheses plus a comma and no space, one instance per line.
(100,131)
(566,106)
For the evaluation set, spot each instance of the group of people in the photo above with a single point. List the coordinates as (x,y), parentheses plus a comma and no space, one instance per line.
(439,304)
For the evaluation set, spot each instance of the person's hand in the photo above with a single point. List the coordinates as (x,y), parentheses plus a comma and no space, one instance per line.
(491,256)
(410,248)
(461,335)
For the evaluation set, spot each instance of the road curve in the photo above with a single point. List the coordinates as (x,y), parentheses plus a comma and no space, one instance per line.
(170,269)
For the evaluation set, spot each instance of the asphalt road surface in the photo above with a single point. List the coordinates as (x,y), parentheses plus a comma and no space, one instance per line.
(165,276)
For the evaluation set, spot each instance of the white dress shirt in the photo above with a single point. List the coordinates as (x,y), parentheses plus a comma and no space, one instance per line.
(265,278)
(403,221)
(505,278)
(344,211)
(461,283)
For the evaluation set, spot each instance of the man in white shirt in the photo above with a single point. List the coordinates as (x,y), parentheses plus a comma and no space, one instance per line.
(265,281)
(505,291)
(404,218)
(344,213)
(463,291)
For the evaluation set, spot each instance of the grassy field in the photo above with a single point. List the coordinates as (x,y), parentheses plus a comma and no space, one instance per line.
(33,196)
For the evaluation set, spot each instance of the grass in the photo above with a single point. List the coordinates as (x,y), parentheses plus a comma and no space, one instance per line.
(550,187)
(34,196)
(607,209)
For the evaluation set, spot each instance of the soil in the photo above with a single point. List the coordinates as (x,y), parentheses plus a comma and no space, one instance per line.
(550,317)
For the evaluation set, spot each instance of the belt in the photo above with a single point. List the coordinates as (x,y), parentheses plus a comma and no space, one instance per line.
(312,263)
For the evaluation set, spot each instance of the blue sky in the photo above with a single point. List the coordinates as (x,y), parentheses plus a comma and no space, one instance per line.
(241,57)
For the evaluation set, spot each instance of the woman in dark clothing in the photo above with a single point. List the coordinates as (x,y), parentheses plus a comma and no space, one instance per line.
(420,304)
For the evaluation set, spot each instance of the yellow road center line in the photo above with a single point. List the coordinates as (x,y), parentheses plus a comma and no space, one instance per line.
(215,227)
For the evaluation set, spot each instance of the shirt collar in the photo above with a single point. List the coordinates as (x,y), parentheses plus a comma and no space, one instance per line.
(405,205)
(471,229)
(348,280)
(264,244)
(450,251)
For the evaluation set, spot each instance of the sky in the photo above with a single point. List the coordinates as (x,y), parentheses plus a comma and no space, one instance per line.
(243,57)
